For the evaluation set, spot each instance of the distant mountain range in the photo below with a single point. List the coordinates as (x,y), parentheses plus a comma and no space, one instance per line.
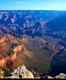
(55,20)
(58,23)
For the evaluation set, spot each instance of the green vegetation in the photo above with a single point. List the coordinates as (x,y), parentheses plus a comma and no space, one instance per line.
(38,67)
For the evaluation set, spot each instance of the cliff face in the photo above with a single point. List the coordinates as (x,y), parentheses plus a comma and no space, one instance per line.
(41,46)
(58,63)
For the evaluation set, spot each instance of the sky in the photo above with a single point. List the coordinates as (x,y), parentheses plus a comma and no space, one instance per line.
(33,5)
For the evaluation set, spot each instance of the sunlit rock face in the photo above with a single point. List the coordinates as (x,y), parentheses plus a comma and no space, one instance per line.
(5,44)
(22,54)
(23,71)
(61,76)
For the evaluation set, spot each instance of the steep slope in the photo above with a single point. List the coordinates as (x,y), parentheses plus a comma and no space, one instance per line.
(58,63)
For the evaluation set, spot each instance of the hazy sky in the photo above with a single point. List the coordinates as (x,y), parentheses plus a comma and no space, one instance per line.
(32,4)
